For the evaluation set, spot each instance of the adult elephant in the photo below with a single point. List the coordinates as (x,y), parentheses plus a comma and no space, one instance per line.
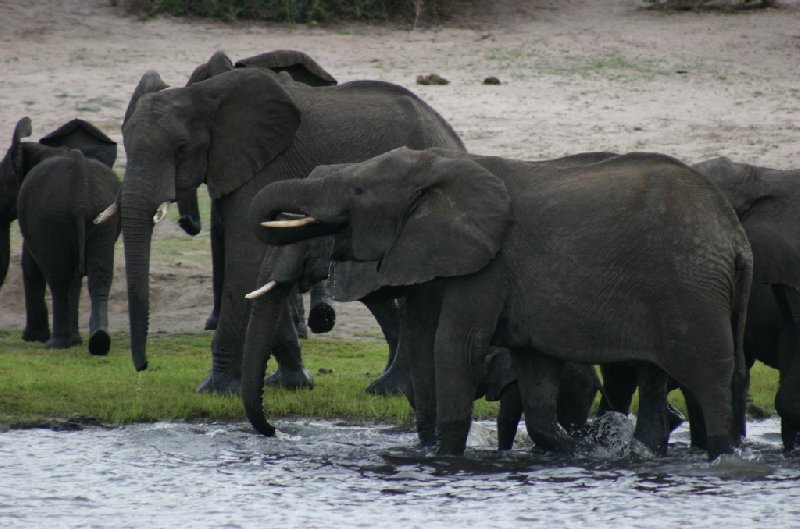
(633,258)
(239,131)
(64,199)
(303,69)
(765,201)
(307,262)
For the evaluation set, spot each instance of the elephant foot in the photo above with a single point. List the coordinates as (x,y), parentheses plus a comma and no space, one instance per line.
(220,383)
(76,339)
(392,382)
(99,343)
(36,335)
(58,341)
(290,378)
(211,322)
(321,318)
(451,438)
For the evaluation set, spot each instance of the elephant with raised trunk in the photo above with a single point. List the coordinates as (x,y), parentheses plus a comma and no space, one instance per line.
(765,201)
(63,192)
(636,257)
(239,131)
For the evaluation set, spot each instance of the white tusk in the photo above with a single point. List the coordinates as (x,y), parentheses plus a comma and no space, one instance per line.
(106,214)
(288,223)
(261,291)
(161,212)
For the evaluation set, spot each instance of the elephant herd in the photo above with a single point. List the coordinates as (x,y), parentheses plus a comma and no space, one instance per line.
(491,277)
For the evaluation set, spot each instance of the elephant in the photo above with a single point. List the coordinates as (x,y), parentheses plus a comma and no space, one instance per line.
(303,69)
(237,132)
(63,192)
(307,262)
(633,258)
(764,200)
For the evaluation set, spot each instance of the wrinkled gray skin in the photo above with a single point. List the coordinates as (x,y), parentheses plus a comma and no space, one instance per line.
(237,132)
(307,262)
(633,258)
(57,188)
(765,201)
(302,69)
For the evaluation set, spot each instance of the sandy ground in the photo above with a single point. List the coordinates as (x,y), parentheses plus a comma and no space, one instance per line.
(576,75)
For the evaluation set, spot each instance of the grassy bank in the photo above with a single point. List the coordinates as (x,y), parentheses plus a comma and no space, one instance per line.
(40,386)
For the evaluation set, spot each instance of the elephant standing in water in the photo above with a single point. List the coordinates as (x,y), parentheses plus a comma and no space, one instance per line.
(65,200)
(307,262)
(635,257)
(765,201)
(302,69)
(237,132)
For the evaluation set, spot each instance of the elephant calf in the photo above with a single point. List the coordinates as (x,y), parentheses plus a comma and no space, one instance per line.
(64,199)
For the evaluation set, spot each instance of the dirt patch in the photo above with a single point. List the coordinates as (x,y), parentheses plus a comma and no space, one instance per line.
(575,75)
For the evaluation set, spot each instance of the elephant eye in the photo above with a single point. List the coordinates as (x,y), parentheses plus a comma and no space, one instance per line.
(358,191)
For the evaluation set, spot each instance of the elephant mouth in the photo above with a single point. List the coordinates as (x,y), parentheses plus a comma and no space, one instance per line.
(287,227)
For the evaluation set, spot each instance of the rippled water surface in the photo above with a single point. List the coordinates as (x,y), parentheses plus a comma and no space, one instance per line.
(322,474)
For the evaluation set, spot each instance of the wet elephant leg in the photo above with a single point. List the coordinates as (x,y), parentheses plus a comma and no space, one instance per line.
(37,326)
(787,400)
(539,378)
(651,422)
(509,416)
(619,385)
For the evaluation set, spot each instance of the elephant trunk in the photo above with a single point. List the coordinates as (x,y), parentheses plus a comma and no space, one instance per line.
(137,232)
(265,315)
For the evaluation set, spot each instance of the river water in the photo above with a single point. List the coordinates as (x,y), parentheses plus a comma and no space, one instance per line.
(325,474)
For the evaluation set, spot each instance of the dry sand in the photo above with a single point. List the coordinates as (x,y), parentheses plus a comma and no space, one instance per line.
(577,75)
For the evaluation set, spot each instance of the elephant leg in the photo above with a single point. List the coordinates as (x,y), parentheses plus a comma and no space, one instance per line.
(651,422)
(60,291)
(321,314)
(291,374)
(619,385)
(508,417)
(99,272)
(787,399)
(577,390)
(217,236)
(419,319)
(396,377)
(37,326)
(539,378)
(298,312)
(697,425)
(74,305)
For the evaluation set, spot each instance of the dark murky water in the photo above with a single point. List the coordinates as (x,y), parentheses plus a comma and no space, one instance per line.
(321,474)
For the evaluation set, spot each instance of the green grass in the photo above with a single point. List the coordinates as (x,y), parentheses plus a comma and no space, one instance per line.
(42,386)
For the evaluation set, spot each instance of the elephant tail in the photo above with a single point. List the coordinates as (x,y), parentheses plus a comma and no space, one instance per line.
(741,296)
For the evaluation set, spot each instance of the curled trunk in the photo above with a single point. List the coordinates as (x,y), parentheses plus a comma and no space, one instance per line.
(265,315)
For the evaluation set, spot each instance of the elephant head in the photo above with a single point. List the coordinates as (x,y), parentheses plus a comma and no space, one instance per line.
(22,156)
(428,199)
(221,131)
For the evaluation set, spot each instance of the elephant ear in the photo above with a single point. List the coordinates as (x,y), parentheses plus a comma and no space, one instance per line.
(297,64)
(455,224)
(150,82)
(217,64)
(82,135)
(14,155)
(254,120)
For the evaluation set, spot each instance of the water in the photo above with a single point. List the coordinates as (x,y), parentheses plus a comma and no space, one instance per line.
(323,474)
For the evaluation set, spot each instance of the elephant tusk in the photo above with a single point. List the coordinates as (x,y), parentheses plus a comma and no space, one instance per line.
(261,291)
(161,212)
(106,214)
(288,223)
